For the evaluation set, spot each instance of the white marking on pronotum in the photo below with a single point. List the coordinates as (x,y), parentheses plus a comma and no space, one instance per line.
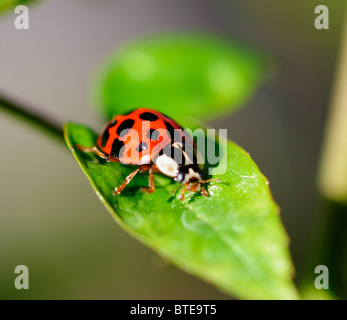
(178,145)
(167,165)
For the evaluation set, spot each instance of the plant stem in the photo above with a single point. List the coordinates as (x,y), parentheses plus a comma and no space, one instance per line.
(42,121)
(330,241)
(332,176)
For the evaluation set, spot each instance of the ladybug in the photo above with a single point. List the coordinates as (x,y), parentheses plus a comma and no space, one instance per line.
(155,143)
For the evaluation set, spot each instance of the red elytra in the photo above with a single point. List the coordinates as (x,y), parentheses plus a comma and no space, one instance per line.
(151,140)
(137,137)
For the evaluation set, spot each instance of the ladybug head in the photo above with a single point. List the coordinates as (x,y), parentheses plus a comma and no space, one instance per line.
(187,174)
(190,173)
(190,176)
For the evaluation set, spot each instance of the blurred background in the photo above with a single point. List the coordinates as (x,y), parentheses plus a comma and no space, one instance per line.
(51,220)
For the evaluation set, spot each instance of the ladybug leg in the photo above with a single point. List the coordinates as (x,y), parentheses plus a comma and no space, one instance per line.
(203,191)
(94,150)
(151,184)
(186,188)
(127,180)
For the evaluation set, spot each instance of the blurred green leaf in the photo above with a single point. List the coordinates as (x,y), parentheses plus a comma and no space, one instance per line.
(181,76)
(233,239)
(8,4)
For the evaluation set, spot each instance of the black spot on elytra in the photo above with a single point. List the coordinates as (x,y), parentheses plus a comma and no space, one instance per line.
(106,134)
(112,123)
(153,134)
(117,148)
(170,130)
(124,127)
(148,116)
(167,150)
(105,137)
(142,147)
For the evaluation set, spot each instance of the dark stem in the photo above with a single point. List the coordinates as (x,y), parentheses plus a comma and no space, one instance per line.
(328,248)
(330,240)
(35,117)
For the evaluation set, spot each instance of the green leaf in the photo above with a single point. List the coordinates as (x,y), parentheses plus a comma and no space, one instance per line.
(9,4)
(180,75)
(232,239)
